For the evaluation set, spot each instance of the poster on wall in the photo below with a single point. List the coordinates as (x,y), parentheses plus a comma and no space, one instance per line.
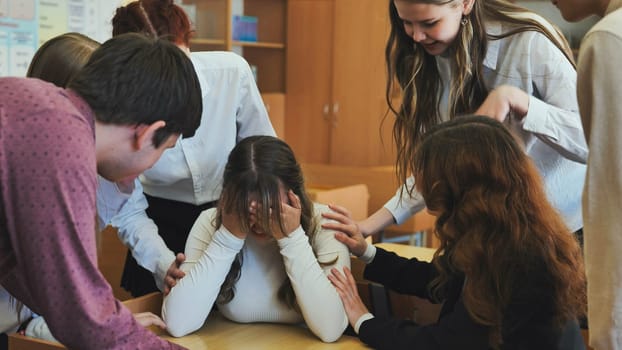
(92,17)
(18,35)
(52,19)
(26,24)
(82,17)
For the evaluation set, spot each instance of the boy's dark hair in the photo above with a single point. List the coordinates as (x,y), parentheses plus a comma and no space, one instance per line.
(132,79)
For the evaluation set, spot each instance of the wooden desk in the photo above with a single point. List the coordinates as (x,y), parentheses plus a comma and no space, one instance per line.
(409,251)
(220,333)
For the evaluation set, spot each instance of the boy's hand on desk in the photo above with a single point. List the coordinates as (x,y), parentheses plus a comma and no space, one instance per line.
(174,273)
(147,319)
(348,231)
(346,287)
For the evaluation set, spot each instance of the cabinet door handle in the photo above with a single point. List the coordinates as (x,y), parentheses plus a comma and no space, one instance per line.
(336,108)
(326,111)
(333,120)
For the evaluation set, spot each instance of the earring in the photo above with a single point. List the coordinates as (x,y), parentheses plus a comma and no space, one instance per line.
(464,21)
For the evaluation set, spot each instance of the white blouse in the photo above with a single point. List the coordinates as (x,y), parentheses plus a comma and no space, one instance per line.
(551,131)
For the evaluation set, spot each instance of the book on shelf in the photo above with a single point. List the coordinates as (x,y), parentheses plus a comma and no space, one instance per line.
(245,28)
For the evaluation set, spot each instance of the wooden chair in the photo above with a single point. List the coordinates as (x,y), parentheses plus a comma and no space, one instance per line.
(151,302)
(381,183)
(111,255)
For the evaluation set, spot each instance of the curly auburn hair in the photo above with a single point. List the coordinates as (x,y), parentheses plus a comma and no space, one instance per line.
(495,223)
(154,18)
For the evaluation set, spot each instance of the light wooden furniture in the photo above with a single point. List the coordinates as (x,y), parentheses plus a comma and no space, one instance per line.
(335,82)
(212,20)
(111,255)
(353,197)
(217,333)
(147,303)
(151,302)
(20,342)
(407,251)
(275,105)
(213,31)
(382,184)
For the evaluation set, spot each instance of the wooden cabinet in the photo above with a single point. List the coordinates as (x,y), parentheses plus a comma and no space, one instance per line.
(275,105)
(212,20)
(335,82)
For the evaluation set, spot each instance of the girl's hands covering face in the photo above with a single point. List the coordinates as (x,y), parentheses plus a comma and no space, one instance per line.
(290,216)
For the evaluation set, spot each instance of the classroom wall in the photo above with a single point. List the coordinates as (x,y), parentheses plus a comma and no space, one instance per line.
(573,31)
(26,24)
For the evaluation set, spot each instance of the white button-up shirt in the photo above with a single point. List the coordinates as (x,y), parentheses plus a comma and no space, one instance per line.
(190,172)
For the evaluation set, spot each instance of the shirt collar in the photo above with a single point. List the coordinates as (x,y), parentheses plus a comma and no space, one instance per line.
(199,68)
(492,53)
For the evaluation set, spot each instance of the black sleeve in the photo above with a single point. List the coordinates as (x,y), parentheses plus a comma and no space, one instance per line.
(405,276)
(455,330)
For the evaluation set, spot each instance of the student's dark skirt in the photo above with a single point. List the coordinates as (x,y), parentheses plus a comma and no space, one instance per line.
(174,220)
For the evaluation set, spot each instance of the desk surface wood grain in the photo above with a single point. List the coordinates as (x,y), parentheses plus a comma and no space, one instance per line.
(222,334)
(409,251)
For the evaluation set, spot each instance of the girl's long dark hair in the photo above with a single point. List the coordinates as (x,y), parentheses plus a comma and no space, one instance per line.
(260,165)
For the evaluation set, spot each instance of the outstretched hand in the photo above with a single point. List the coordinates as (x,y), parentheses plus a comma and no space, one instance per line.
(174,273)
(348,231)
(346,288)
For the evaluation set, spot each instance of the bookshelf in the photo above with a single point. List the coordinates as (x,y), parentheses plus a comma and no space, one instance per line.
(213,25)
(212,20)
